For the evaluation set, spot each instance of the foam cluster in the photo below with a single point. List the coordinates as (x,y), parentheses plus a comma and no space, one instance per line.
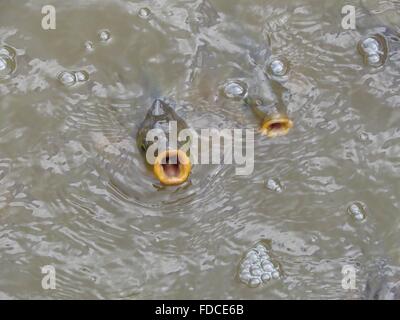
(257,267)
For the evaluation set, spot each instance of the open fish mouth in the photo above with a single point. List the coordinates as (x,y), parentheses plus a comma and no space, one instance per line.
(172,167)
(276,125)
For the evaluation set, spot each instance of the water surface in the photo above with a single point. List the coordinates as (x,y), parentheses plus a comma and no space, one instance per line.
(75,192)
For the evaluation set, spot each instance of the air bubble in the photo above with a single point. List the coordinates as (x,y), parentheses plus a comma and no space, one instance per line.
(357,211)
(70,78)
(275,275)
(263,255)
(245,265)
(7,66)
(3,64)
(67,78)
(235,90)
(252,255)
(255,271)
(89,46)
(254,282)
(104,35)
(274,185)
(374,59)
(264,260)
(265,277)
(359,216)
(267,266)
(370,46)
(144,13)
(245,277)
(8,51)
(81,76)
(278,67)
(260,248)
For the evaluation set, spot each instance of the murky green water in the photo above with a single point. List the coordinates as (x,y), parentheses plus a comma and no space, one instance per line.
(76,194)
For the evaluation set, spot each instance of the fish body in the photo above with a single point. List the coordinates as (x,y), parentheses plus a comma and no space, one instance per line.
(271,112)
(159,117)
(172,165)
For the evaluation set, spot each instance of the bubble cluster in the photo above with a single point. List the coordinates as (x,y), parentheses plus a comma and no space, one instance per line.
(235,90)
(104,35)
(7,61)
(274,185)
(70,78)
(277,67)
(374,50)
(357,210)
(257,267)
(144,13)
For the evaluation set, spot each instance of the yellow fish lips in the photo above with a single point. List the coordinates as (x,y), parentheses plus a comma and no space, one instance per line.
(276,125)
(172,167)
